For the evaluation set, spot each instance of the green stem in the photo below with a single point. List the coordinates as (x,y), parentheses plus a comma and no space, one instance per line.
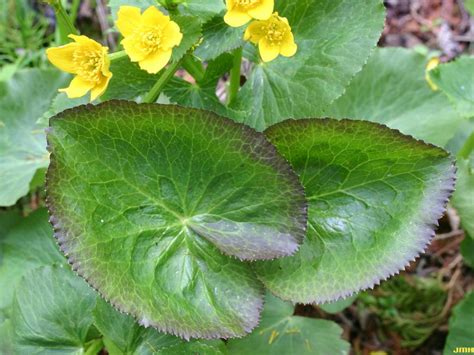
(93,347)
(235,76)
(65,25)
(74,9)
(117,55)
(194,67)
(155,91)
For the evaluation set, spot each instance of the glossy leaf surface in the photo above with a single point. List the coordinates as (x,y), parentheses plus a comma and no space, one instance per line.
(147,199)
(374,196)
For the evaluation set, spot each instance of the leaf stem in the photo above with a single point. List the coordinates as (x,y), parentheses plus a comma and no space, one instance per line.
(117,55)
(155,91)
(235,76)
(94,346)
(194,67)
(74,10)
(65,25)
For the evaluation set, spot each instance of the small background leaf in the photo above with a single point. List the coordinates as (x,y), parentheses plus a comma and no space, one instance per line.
(461,331)
(218,38)
(339,305)
(281,333)
(23,100)
(332,48)
(454,80)
(391,89)
(53,312)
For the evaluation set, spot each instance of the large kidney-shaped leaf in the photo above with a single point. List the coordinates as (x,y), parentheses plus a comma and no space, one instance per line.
(374,197)
(53,313)
(334,38)
(391,89)
(282,333)
(146,200)
(23,100)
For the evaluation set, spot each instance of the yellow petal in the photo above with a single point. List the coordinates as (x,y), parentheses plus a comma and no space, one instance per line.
(86,41)
(172,36)
(133,49)
(61,57)
(106,67)
(267,51)
(230,4)
(156,61)
(154,17)
(254,32)
(236,18)
(77,88)
(288,47)
(128,19)
(100,88)
(262,11)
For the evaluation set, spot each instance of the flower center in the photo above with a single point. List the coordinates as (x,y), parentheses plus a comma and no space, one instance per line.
(275,32)
(89,64)
(247,4)
(150,39)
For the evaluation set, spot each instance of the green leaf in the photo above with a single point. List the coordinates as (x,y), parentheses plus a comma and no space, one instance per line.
(204,9)
(334,38)
(28,245)
(114,5)
(60,103)
(53,312)
(191,29)
(338,306)
(463,198)
(456,81)
(218,38)
(8,219)
(461,331)
(202,94)
(145,198)
(23,100)
(124,336)
(467,251)
(469,4)
(374,197)
(391,89)
(129,81)
(6,335)
(209,347)
(280,333)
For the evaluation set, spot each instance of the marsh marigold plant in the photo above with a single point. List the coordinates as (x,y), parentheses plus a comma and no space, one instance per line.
(88,61)
(239,12)
(273,37)
(149,38)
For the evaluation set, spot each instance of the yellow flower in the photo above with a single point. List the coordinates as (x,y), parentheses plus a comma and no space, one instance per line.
(273,37)
(433,63)
(88,60)
(149,37)
(239,12)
